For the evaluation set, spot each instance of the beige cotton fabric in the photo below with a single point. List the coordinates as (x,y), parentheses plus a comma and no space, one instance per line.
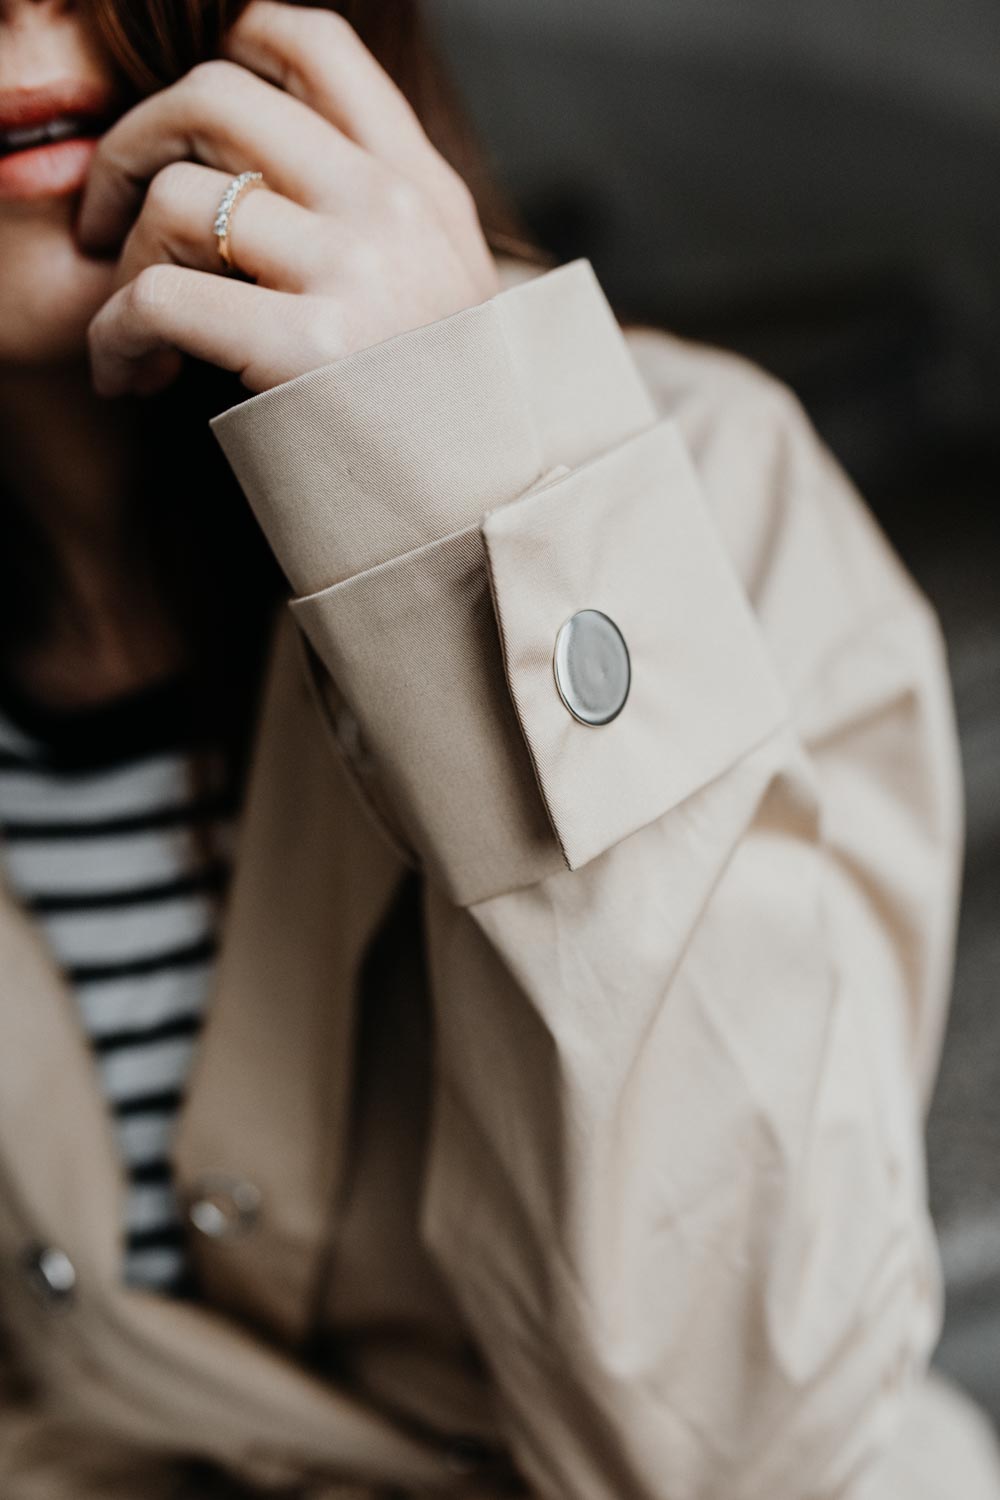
(581,1071)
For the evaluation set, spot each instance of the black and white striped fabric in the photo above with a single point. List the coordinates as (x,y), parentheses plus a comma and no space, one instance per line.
(97,814)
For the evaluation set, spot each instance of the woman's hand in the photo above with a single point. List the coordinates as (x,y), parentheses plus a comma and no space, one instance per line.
(362,232)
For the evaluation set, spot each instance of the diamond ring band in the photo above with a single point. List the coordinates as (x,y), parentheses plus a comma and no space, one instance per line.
(224,214)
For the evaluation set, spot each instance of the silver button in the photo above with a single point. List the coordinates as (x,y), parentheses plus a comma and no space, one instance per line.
(223,1208)
(51,1274)
(592,667)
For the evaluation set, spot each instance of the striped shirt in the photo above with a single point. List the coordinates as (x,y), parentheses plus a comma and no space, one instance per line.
(97,816)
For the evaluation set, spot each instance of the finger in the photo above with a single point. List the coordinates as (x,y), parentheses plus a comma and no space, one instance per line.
(317,56)
(271,238)
(172,308)
(226,117)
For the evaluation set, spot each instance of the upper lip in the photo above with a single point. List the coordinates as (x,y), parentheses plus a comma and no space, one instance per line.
(21,108)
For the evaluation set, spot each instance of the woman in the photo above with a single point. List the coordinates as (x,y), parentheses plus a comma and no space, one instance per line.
(579,840)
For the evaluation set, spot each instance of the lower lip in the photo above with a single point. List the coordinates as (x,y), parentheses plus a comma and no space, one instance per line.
(46,171)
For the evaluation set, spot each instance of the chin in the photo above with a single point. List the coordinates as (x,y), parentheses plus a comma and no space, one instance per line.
(49,291)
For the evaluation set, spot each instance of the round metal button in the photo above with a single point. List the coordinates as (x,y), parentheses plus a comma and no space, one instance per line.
(223,1208)
(592,667)
(51,1274)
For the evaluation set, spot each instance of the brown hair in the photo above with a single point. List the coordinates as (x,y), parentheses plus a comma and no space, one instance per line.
(197,536)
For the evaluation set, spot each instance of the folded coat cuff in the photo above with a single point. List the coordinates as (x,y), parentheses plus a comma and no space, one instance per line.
(413,439)
(443,504)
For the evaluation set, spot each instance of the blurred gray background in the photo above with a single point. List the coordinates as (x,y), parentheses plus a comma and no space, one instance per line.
(817,184)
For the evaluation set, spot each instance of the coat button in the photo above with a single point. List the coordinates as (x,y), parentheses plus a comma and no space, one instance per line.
(223,1208)
(592,667)
(51,1275)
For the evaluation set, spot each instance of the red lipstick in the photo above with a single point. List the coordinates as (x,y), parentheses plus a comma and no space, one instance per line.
(48,137)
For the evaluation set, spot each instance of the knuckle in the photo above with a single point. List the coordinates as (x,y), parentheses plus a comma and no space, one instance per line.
(325,334)
(208,81)
(331,24)
(404,201)
(168,189)
(148,291)
(301,36)
(358,260)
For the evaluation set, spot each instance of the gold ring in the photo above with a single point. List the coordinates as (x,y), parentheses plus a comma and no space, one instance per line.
(224,213)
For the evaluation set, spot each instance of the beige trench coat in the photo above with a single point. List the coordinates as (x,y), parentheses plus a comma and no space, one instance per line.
(580,1071)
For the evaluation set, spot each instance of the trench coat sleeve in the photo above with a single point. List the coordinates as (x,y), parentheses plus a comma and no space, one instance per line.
(690,969)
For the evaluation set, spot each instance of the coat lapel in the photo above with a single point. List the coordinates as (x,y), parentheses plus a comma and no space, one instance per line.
(269,1098)
(269,1095)
(61,1177)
